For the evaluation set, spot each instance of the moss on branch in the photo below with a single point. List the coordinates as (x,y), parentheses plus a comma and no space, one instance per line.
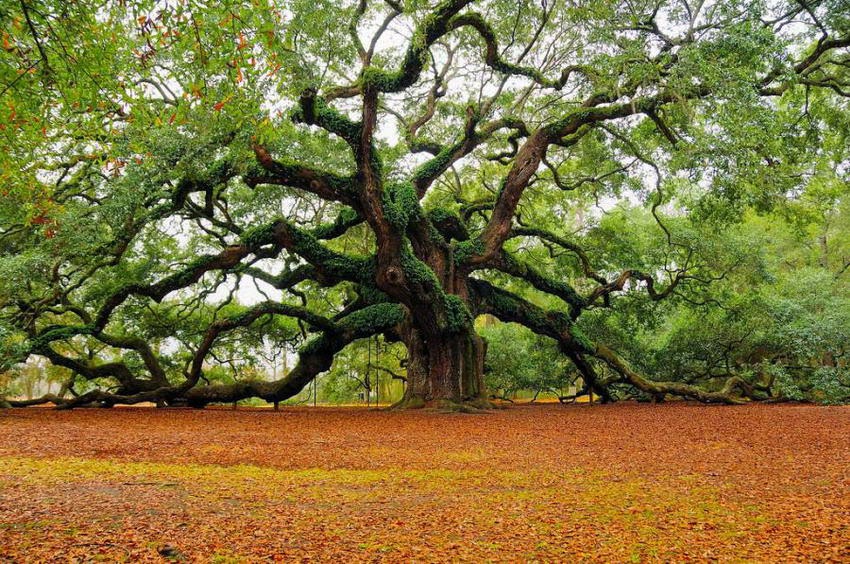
(458,317)
(430,28)
(308,246)
(314,110)
(374,318)
(256,237)
(401,205)
(510,265)
(448,224)
(346,219)
(465,250)
(59,333)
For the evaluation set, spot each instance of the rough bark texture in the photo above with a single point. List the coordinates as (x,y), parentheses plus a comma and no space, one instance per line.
(445,371)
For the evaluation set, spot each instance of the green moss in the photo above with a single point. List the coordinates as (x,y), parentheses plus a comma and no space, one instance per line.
(59,333)
(313,346)
(441,215)
(415,60)
(542,282)
(510,307)
(430,28)
(464,250)
(200,262)
(346,218)
(341,184)
(221,170)
(578,116)
(356,268)
(372,295)
(458,316)
(401,205)
(334,121)
(435,236)
(417,272)
(502,302)
(252,168)
(307,245)
(316,111)
(437,165)
(362,323)
(258,236)
(241,319)
(187,275)
(583,116)
(374,318)
(582,340)
(202,180)
(379,79)
(347,215)
(535,318)
(447,225)
(560,321)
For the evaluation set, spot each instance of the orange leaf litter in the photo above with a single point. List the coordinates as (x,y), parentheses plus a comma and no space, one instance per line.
(623,483)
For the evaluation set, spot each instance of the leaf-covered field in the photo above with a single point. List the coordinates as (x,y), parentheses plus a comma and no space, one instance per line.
(597,483)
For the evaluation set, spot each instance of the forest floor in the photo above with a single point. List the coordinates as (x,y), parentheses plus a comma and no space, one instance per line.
(676,482)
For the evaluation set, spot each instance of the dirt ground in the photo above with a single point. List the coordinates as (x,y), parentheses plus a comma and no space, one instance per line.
(624,483)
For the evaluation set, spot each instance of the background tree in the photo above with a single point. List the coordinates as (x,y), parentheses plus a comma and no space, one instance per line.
(387,168)
(519,360)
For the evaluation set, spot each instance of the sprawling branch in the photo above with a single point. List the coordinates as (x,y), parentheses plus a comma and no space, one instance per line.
(510,265)
(510,307)
(314,358)
(473,137)
(619,283)
(494,60)
(279,234)
(544,235)
(735,389)
(314,110)
(324,184)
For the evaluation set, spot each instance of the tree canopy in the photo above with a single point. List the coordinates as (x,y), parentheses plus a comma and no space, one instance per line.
(659,188)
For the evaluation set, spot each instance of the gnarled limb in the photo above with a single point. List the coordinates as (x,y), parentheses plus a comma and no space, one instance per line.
(510,307)
(315,357)
(508,264)
(734,391)
(324,184)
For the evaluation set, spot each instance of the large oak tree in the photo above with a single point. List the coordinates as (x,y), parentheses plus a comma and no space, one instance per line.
(378,168)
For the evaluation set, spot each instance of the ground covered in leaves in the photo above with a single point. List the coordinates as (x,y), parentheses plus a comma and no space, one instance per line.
(598,483)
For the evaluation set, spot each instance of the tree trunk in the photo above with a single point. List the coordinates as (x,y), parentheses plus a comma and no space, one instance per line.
(445,371)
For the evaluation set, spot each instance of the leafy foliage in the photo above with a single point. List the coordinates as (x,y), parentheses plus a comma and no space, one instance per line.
(191,189)
(521,360)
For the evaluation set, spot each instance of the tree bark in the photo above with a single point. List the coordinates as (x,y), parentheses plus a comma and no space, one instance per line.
(445,371)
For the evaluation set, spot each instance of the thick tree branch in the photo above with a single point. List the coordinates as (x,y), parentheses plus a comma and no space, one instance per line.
(510,265)
(324,184)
